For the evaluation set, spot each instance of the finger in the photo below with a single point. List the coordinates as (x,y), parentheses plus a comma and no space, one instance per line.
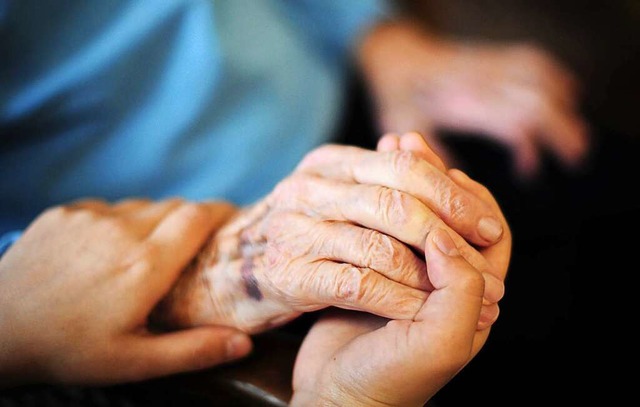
(417,143)
(543,71)
(176,241)
(388,142)
(557,125)
(331,333)
(500,252)
(488,315)
(443,333)
(183,351)
(526,155)
(96,205)
(403,171)
(445,328)
(389,211)
(299,235)
(452,311)
(309,283)
(220,211)
(145,214)
(414,142)
(564,134)
(129,205)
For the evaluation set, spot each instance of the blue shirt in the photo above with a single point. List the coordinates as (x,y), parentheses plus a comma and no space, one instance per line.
(203,99)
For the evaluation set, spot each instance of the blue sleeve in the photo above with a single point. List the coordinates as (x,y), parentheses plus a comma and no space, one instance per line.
(7,239)
(338,24)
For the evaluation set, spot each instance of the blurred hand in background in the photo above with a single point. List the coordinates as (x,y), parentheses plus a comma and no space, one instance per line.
(517,95)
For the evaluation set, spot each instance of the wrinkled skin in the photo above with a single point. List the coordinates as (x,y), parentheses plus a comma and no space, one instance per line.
(517,95)
(346,229)
(360,359)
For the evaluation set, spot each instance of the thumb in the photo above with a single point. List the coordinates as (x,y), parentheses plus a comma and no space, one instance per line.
(443,334)
(451,313)
(185,350)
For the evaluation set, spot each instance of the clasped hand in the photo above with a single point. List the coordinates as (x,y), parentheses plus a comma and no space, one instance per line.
(347,229)
(393,233)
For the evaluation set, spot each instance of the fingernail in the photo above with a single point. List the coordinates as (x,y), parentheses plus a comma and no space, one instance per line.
(444,242)
(238,345)
(493,289)
(490,229)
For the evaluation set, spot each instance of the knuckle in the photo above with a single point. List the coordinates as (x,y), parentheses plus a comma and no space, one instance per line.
(194,213)
(110,226)
(392,205)
(56,212)
(316,155)
(143,258)
(381,252)
(292,186)
(403,162)
(277,267)
(272,255)
(321,242)
(455,204)
(430,223)
(348,287)
(274,225)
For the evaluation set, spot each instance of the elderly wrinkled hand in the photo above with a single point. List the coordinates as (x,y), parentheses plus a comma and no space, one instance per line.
(343,230)
(516,94)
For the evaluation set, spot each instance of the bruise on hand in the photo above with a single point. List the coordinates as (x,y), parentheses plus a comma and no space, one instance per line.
(248,278)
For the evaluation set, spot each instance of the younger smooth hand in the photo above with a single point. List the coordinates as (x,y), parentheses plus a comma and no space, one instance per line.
(357,359)
(76,290)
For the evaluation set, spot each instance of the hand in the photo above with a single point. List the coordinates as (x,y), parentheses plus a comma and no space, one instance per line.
(357,359)
(336,365)
(497,255)
(338,232)
(76,290)
(518,95)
